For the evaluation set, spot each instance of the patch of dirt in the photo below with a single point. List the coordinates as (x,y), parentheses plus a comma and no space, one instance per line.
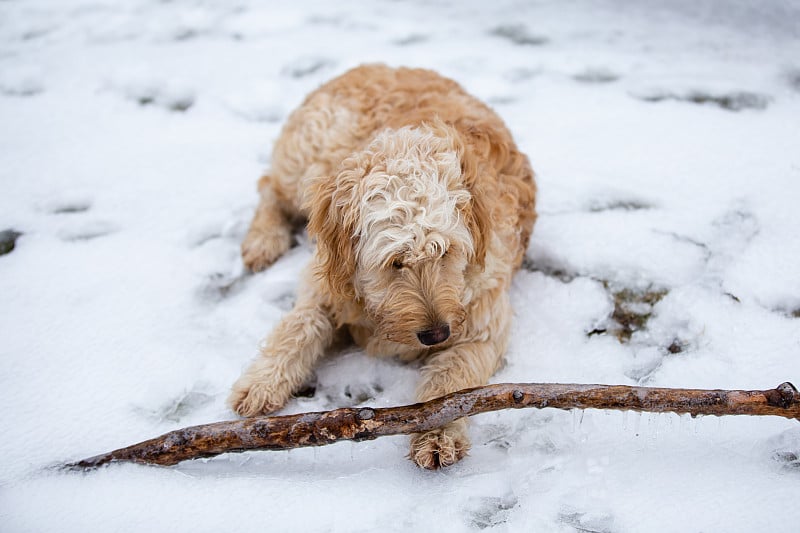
(8,239)
(632,310)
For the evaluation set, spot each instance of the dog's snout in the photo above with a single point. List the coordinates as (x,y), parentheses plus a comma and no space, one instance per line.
(433,336)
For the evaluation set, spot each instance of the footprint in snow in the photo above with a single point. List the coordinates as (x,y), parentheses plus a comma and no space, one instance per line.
(518,34)
(520,74)
(596,75)
(729,101)
(785,449)
(182,405)
(86,231)
(149,90)
(793,79)
(599,205)
(590,522)
(490,511)
(67,205)
(411,39)
(351,395)
(219,285)
(306,66)
(260,102)
(21,82)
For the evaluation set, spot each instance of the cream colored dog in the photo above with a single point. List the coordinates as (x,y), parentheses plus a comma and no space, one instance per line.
(422,207)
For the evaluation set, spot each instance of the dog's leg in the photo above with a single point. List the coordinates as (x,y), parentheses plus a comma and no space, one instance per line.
(270,233)
(461,366)
(287,357)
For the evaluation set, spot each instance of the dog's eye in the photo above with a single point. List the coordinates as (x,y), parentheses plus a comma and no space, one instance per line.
(397,264)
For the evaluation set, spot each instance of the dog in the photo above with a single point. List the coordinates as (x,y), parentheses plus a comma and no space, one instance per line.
(422,208)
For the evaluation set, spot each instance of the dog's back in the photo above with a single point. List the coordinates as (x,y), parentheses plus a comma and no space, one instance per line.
(346,113)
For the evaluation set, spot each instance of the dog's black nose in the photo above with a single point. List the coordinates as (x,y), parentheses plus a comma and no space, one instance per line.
(429,337)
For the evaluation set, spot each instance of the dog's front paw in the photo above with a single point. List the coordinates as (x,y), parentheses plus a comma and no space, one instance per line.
(252,398)
(440,447)
(260,249)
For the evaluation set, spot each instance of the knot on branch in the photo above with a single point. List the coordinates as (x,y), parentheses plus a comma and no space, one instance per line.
(783,396)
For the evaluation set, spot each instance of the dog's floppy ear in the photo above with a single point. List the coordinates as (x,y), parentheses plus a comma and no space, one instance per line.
(479,223)
(333,206)
(475,174)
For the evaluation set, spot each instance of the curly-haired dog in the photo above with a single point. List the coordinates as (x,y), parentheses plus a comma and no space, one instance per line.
(422,207)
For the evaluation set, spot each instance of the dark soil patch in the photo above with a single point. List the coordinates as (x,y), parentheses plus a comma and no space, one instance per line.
(632,311)
(8,240)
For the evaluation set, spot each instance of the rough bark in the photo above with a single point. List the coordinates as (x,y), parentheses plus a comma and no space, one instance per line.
(366,423)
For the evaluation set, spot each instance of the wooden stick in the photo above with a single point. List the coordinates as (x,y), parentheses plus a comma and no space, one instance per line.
(366,423)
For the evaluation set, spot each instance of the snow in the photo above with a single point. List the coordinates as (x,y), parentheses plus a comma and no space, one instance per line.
(665,138)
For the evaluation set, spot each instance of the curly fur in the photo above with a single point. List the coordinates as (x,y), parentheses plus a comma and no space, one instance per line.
(422,207)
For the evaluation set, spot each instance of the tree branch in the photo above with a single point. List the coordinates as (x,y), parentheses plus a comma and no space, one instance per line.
(366,423)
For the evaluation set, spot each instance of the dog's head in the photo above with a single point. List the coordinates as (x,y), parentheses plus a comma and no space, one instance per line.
(396,230)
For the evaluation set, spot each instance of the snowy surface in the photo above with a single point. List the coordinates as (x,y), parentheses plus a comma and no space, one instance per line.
(666,138)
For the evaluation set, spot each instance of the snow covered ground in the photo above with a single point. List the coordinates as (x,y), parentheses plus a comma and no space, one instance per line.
(666,138)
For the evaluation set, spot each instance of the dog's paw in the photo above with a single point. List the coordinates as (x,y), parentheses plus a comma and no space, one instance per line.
(253,398)
(440,447)
(260,249)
